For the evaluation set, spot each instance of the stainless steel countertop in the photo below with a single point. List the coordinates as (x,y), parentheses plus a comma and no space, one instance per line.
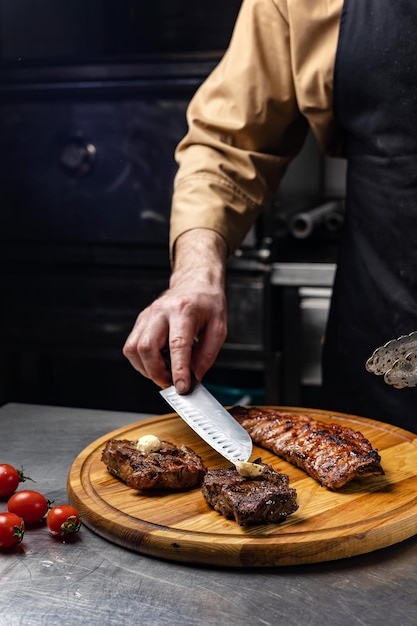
(92,581)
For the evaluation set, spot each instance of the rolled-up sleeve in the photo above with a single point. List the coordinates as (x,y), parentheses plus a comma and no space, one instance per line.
(244,127)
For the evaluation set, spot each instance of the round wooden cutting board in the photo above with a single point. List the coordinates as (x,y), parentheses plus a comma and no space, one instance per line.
(365,515)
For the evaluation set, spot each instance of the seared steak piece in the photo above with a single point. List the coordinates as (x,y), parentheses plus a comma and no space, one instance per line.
(265,499)
(171,467)
(331,454)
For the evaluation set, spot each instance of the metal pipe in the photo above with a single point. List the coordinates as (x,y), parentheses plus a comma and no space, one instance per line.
(302,224)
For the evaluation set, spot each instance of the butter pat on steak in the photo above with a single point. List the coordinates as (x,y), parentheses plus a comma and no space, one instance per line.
(330,453)
(171,467)
(264,499)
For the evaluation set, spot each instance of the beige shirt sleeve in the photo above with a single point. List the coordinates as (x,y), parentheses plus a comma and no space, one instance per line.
(245,126)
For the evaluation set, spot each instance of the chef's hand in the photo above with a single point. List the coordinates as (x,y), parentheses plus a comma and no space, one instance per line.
(190,317)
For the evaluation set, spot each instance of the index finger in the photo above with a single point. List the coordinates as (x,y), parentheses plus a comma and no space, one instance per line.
(143,347)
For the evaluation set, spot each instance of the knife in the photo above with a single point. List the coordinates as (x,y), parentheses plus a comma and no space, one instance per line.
(210,420)
(396,361)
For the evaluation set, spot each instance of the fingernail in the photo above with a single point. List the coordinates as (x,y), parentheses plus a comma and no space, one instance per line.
(180,386)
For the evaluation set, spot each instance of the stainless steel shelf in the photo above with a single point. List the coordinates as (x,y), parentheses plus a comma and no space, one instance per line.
(303,274)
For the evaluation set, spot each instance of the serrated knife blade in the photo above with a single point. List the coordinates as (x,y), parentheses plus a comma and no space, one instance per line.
(211,421)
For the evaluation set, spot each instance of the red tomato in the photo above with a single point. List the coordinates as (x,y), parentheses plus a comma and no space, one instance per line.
(31,506)
(12,529)
(63,519)
(9,479)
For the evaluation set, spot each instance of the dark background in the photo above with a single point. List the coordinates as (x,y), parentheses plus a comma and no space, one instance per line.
(109,30)
(93,98)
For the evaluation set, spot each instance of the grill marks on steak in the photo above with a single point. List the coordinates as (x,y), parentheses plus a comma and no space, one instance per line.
(265,499)
(331,454)
(172,467)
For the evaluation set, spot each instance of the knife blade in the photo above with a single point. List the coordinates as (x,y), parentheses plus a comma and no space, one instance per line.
(211,421)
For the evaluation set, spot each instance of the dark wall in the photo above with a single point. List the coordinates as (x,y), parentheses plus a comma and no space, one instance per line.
(90,29)
(93,96)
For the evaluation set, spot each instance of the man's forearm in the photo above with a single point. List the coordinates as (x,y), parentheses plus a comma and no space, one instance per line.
(199,254)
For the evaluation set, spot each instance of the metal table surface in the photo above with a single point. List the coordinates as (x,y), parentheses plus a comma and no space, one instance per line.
(45,581)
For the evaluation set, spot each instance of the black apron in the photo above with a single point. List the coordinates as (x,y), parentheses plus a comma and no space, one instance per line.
(375,291)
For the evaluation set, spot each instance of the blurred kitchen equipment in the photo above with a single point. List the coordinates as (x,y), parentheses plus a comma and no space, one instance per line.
(330,215)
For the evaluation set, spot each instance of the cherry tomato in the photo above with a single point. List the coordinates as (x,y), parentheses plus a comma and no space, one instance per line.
(63,519)
(31,506)
(10,477)
(12,529)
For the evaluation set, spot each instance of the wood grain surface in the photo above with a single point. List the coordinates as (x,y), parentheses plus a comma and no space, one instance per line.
(365,515)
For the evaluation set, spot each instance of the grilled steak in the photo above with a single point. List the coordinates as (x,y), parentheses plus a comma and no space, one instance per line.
(171,467)
(265,499)
(331,454)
